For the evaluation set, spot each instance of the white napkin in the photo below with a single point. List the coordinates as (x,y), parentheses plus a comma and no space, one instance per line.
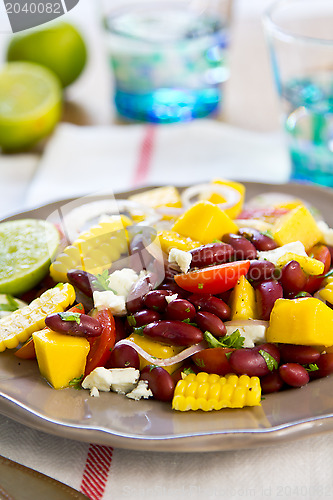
(296,470)
(16,173)
(80,161)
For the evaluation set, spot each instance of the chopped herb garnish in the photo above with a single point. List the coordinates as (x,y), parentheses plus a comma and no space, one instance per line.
(131,320)
(301,294)
(217,241)
(139,329)
(70,316)
(271,362)
(268,233)
(188,371)
(327,275)
(101,282)
(76,382)
(187,310)
(312,367)
(200,286)
(199,362)
(188,321)
(234,340)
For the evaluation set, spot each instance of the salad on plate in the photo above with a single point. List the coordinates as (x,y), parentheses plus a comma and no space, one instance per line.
(192,297)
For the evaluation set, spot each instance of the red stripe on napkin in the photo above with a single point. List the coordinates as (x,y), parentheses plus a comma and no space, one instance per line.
(141,172)
(96,471)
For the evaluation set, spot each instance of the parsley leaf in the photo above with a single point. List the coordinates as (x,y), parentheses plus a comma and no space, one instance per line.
(271,362)
(76,382)
(70,316)
(101,282)
(312,367)
(300,294)
(139,329)
(188,371)
(268,233)
(131,320)
(188,321)
(234,340)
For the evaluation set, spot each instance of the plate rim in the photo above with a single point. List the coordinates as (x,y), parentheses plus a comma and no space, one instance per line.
(226,439)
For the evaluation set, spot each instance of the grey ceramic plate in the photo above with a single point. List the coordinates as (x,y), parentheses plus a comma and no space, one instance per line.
(114,420)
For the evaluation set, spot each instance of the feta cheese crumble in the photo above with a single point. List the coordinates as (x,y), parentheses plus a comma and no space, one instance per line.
(253,334)
(141,391)
(121,380)
(122,281)
(171,298)
(273,256)
(94,392)
(108,300)
(180,257)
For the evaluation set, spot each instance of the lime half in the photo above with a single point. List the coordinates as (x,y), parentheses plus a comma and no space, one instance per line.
(26,249)
(30,104)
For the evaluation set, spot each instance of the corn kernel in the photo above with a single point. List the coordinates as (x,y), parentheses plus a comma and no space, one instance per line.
(212,392)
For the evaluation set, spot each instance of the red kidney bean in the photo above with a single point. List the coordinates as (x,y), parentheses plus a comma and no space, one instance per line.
(174,288)
(121,331)
(207,321)
(260,270)
(156,300)
(271,383)
(180,309)
(325,366)
(294,374)
(82,280)
(272,349)
(249,362)
(173,332)
(293,279)
(142,317)
(123,356)
(87,326)
(139,289)
(209,303)
(302,354)
(267,293)
(213,253)
(159,381)
(262,242)
(243,248)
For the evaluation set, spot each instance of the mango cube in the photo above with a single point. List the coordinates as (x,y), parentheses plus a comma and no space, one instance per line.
(303,321)
(171,239)
(165,196)
(309,265)
(204,222)
(243,300)
(60,357)
(297,225)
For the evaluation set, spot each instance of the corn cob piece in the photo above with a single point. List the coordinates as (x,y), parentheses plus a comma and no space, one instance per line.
(207,392)
(18,326)
(327,293)
(94,250)
(171,239)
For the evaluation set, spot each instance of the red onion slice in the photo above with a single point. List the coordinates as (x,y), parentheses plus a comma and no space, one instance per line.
(186,353)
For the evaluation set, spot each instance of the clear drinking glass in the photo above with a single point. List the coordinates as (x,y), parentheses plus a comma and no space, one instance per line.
(300,38)
(168,58)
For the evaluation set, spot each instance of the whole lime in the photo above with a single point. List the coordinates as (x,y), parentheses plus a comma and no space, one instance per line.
(30,104)
(60,48)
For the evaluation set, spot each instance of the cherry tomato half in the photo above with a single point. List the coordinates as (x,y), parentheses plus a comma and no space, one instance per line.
(322,253)
(213,360)
(213,279)
(100,347)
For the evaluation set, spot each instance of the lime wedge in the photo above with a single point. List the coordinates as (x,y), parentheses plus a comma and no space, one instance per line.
(26,249)
(30,104)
